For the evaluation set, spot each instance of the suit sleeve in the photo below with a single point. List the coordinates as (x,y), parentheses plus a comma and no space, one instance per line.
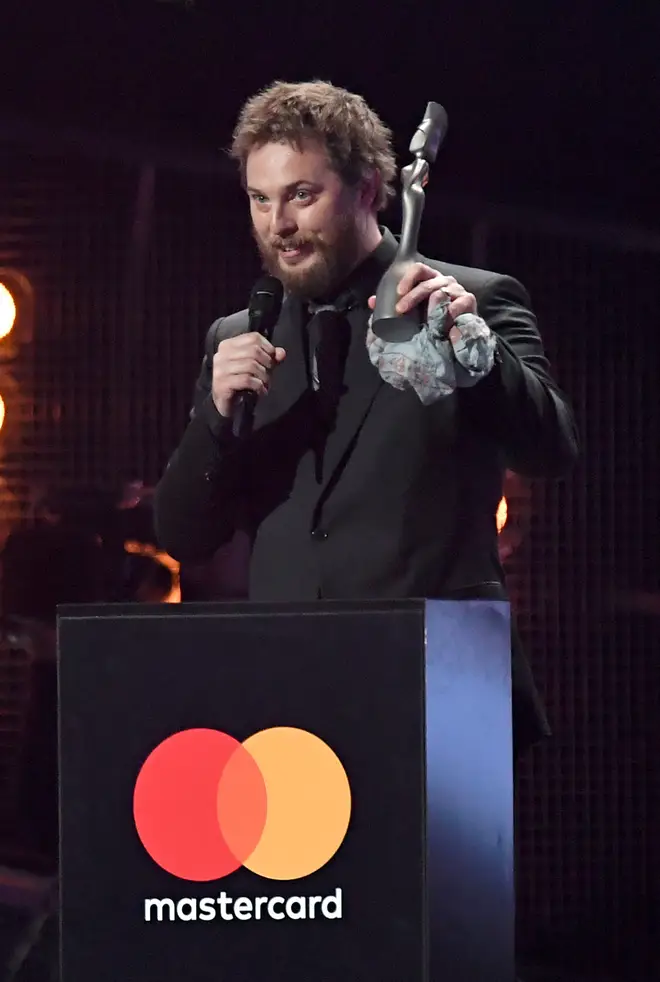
(198,502)
(518,404)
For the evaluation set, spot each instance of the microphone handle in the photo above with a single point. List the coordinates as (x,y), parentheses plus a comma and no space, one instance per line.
(243,415)
(246,401)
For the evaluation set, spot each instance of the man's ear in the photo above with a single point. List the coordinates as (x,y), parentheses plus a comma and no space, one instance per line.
(369,190)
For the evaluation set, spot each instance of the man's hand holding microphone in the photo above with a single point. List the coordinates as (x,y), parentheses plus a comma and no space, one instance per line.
(242,365)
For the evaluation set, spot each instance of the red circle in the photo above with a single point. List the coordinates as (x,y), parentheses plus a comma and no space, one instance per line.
(175,804)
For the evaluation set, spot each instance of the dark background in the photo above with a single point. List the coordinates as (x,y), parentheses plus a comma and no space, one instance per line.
(119,206)
(547,105)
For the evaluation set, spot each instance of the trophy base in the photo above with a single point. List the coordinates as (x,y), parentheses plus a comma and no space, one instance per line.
(396,329)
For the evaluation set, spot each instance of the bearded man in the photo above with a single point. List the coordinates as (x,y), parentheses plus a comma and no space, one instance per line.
(365,485)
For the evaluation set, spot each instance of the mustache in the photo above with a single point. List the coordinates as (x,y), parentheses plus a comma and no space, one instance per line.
(284,244)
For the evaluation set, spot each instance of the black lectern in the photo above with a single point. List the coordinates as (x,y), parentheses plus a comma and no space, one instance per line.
(265,793)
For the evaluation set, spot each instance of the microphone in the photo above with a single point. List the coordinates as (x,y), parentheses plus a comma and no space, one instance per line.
(263,314)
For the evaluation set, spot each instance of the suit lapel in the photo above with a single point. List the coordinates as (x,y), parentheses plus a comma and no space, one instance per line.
(362,383)
(289,380)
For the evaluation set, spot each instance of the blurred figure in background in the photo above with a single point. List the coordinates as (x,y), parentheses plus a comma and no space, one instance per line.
(72,551)
(43,567)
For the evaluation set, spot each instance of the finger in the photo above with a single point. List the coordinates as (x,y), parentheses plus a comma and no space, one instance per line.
(466,304)
(247,366)
(415,274)
(417,295)
(242,382)
(251,340)
(372,302)
(266,344)
(233,362)
(243,346)
(261,356)
(437,298)
(274,358)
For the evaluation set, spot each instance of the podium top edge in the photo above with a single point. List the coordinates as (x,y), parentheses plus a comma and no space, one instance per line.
(234,607)
(253,608)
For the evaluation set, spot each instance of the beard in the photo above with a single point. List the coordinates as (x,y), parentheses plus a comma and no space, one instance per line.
(331,257)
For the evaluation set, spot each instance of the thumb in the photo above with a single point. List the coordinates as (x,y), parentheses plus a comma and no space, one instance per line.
(280,355)
(372,302)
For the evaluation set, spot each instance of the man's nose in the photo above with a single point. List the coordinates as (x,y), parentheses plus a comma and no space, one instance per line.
(282,221)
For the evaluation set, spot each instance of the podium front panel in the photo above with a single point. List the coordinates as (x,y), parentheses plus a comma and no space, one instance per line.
(150,700)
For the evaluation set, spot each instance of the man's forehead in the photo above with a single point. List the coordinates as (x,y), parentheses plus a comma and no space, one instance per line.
(283,164)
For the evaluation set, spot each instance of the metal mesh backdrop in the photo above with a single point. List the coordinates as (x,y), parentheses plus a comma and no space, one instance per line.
(130,265)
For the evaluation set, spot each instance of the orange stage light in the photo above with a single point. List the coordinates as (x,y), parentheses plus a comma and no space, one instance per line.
(502,514)
(145,549)
(7,311)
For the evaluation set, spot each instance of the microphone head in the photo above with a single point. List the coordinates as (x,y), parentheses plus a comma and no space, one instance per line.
(266,299)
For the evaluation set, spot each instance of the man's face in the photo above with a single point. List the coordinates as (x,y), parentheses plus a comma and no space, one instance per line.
(306,221)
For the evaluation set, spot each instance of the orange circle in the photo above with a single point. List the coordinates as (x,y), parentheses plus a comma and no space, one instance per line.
(309,803)
(278,804)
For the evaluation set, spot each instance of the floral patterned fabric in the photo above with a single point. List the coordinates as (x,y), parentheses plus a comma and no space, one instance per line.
(435,362)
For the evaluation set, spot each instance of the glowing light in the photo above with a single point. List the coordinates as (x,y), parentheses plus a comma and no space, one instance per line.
(502,514)
(7,311)
(145,549)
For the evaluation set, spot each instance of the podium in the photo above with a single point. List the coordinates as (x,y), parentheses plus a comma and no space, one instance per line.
(286,793)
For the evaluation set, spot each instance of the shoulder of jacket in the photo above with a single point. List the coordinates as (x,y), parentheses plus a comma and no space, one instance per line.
(470,277)
(223,328)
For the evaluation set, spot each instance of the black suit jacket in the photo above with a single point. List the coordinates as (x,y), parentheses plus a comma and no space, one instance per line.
(402,500)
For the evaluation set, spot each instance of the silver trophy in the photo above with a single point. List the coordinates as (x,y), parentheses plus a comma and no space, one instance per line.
(426,142)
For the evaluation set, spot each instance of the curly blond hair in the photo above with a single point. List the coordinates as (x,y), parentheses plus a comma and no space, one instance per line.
(357,141)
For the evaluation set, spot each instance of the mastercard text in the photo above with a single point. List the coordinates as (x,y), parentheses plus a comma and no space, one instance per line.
(227,908)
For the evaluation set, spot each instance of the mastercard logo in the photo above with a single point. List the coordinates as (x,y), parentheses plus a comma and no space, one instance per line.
(278,804)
